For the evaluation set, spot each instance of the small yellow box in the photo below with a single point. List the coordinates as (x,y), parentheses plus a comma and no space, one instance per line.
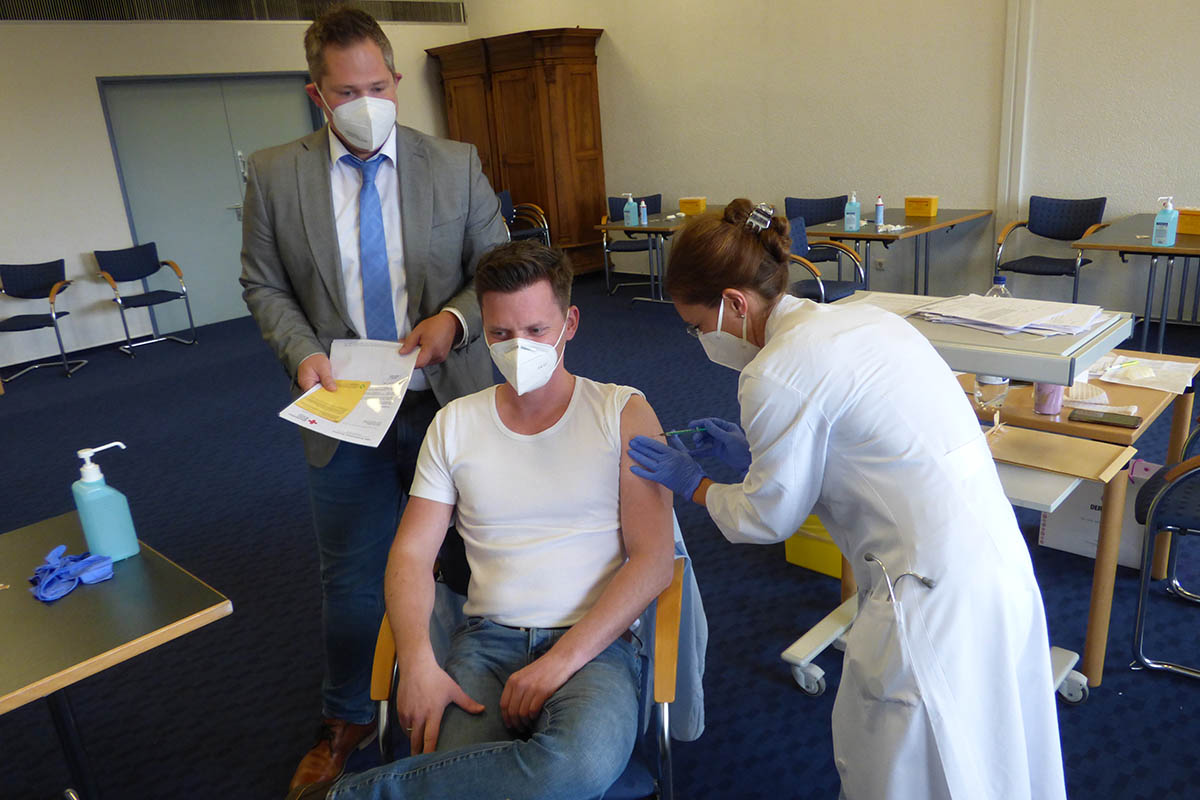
(1189,221)
(811,547)
(693,205)
(921,205)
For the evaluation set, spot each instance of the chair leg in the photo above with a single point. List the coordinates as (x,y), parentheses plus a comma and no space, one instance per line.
(1140,661)
(1173,585)
(607,272)
(666,779)
(66,364)
(191,323)
(1075,288)
(128,348)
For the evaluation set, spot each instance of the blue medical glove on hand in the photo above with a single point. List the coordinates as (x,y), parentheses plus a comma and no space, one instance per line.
(672,465)
(723,440)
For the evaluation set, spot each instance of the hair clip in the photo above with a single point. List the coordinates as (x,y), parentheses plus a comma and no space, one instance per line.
(760,218)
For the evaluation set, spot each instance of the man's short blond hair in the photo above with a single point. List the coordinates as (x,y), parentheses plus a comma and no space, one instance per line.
(342,26)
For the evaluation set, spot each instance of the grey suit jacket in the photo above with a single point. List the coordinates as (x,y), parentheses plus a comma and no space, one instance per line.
(291,274)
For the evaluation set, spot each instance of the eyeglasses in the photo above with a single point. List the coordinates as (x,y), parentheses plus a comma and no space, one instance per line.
(693,331)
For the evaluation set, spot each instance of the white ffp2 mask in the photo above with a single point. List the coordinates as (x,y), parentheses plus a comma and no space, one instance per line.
(364,122)
(527,365)
(728,350)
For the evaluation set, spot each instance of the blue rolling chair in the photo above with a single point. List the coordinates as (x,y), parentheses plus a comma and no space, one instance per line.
(1053,218)
(633,242)
(533,219)
(135,264)
(815,211)
(37,282)
(649,771)
(1167,503)
(805,253)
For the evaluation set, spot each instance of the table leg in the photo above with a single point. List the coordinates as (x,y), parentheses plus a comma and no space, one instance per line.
(849,585)
(72,744)
(867,265)
(1104,577)
(1181,422)
(1183,287)
(1149,302)
(1195,293)
(916,267)
(926,264)
(1162,312)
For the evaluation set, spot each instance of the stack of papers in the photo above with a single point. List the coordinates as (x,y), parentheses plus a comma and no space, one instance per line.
(1148,373)
(1006,315)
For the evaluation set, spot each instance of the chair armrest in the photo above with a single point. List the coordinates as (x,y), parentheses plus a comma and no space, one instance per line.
(385,657)
(109,280)
(1009,228)
(1182,467)
(56,288)
(666,636)
(839,247)
(173,266)
(804,262)
(1099,226)
(534,211)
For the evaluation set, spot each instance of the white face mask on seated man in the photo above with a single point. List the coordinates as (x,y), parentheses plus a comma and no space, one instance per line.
(527,365)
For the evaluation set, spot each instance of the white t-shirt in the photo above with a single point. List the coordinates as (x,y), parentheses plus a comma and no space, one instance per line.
(539,514)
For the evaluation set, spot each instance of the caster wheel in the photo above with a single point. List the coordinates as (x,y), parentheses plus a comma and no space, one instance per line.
(1074,690)
(810,679)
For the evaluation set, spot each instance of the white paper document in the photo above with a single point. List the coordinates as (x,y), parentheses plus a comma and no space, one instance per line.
(1005,315)
(899,304)
(1148,373)
(372,378)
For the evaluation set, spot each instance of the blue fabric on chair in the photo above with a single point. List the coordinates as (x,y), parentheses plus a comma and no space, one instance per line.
(130,263)
(29,322)
(1042,265)
(815,211)
(1064,220)
(509,212)
(37,282)
(135,264)
(151,298)
(1181,509)
(808,289)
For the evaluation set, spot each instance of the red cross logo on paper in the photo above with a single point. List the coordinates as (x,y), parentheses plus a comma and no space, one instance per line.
(312,422)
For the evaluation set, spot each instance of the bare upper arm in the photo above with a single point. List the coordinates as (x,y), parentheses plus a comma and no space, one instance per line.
(422,530)
(646,522)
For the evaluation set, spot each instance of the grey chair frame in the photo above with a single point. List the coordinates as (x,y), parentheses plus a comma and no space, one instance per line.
(127,348)
(69,366)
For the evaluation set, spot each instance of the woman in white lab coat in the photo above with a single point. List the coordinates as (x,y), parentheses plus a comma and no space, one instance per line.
(946,689)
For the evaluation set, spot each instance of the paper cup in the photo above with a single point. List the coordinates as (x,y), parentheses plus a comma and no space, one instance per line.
(1047,398)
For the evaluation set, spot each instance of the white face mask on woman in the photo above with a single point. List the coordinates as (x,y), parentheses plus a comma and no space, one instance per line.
(365,122)
(726,349)
(527,365)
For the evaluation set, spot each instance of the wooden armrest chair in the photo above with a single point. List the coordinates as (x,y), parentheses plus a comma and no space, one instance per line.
(45,281)
(649,770)
(136,264)
(534,222)
(1058,219)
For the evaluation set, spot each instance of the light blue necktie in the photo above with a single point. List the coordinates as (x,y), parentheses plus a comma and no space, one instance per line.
(372,254)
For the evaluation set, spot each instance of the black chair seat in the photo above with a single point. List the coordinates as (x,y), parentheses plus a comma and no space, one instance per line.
(629,246)
(1181,509)
(150,298)
(1042,265)
(30,322)
(527,233)
(834,290)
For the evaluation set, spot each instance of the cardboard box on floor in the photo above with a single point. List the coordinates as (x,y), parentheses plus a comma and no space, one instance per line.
(1074,527)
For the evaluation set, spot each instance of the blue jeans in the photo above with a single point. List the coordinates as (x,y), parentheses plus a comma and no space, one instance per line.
(580,744)
(357,499)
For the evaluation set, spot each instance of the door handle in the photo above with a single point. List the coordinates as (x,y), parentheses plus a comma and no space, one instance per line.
(241,159)
(237,209)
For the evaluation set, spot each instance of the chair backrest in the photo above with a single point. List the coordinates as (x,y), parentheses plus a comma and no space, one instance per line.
(507,210)
(815,210)
(130,263)
(31,281)
(799,236)
(616,205)
(1065,220)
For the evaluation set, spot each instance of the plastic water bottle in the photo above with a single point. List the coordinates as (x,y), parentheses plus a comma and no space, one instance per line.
(990,390)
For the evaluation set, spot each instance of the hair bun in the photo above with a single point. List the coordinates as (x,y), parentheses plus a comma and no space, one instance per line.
(738,211)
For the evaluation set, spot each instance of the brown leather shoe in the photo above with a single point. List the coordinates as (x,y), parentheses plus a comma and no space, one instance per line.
(311,791)
(327,758)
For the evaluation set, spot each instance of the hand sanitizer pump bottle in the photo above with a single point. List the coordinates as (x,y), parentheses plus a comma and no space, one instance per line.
(103,511)
(853,213)
(630,210)
(1165,222)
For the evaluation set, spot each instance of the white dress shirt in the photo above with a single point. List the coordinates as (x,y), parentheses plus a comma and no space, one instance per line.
(345,183)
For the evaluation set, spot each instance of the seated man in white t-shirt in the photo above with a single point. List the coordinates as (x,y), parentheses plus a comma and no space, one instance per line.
(567,547)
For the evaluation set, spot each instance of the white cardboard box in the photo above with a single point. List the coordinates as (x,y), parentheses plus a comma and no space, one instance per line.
(1074,527)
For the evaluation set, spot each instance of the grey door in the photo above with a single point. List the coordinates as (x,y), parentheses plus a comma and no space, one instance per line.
(181,146)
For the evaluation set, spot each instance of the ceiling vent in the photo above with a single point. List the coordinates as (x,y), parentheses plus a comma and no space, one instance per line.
(261,10)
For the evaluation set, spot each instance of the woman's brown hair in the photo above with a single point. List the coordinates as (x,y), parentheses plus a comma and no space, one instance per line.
(717,252)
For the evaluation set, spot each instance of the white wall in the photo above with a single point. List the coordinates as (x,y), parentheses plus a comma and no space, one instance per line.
(767,99)
(62,198)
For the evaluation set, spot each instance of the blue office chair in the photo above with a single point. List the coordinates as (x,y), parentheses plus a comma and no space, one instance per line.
(1169,502)
(1061,220)
(805,253)
(135,264)
(815,211)
(633,242)
(37,282)
(533,222)
(649,772)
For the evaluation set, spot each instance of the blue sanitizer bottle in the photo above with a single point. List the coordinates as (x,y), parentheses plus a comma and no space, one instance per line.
(631,210)
(103,511)
(1165,222)
(853,213)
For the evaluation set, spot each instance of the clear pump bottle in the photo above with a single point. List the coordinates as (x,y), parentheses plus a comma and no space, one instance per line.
(103,511)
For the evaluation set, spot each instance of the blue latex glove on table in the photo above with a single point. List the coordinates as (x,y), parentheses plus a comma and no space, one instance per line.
(671,465)
(62,573)
(724,441)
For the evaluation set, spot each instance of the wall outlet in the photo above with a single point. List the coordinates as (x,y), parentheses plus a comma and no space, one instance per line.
(879,264)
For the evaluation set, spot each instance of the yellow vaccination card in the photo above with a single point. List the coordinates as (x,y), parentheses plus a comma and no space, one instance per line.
(334,406)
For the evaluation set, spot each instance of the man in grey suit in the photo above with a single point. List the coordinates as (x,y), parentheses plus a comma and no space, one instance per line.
(314,270)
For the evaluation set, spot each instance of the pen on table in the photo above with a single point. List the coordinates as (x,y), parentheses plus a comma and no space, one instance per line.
(685,430)
(1124,364)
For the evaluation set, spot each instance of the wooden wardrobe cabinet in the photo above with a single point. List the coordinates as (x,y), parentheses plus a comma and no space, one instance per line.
(530,103)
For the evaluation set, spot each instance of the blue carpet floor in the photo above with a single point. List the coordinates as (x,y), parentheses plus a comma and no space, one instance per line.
(217,483)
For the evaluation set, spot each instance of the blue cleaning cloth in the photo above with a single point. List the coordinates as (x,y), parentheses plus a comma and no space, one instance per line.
(60,574)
